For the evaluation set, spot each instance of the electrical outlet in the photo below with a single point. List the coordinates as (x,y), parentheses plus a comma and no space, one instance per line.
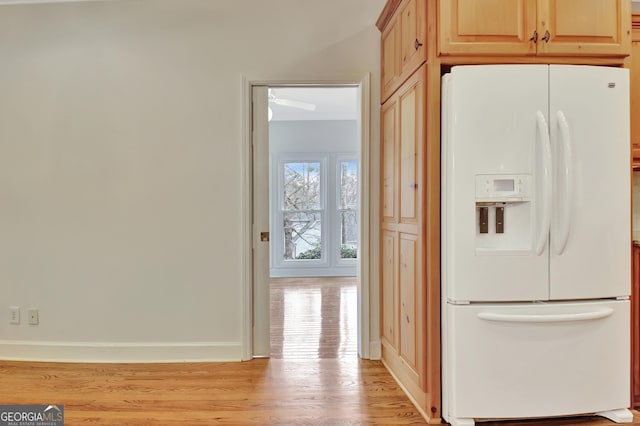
(14,315)
(33,316)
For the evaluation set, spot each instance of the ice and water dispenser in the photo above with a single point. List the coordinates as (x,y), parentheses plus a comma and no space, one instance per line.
(503,213)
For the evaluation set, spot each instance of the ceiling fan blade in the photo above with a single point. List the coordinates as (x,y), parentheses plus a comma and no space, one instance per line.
(294,104)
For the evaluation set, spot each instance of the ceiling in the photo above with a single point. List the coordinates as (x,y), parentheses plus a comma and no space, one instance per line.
(331,103)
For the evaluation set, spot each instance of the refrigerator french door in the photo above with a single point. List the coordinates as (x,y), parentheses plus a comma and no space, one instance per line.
(535,242)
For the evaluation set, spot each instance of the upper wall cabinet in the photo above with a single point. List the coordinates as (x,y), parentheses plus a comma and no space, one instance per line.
(535,27)
(404,46)
(495,27)
(584,27)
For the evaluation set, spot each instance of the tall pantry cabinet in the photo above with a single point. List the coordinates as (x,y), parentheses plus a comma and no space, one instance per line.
(420,41)
(409,335)
(403,333)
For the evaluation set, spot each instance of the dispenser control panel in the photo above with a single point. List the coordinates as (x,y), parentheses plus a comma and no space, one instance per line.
(502,188)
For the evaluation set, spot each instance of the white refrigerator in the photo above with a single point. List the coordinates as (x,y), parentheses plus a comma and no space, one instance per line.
(535,242)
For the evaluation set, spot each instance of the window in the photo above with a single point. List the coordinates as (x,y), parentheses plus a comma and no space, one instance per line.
(302,210)
(315,214)
(348,208)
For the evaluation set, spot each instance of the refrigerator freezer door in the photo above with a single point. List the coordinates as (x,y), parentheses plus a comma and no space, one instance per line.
(590,232)
(536,360)
(494,131)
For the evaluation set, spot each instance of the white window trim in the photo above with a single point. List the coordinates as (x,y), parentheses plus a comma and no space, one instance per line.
(336,162)
(277,249)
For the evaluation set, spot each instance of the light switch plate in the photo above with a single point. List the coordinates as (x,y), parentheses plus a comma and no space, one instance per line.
(14,315)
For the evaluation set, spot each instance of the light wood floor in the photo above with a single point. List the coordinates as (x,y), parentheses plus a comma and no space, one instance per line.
(313,378)
(259,392)
(313,317)
(335,391)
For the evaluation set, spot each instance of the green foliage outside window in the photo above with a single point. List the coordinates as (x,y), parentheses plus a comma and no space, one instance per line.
(316,253)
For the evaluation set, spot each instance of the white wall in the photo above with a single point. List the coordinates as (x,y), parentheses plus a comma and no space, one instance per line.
(120,164)
(313,136)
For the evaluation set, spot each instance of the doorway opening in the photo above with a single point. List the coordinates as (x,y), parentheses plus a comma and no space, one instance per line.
(314,210)
(314,138)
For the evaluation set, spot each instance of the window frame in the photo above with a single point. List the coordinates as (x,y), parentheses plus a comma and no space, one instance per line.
(340,158)
(278,222)
(329,211)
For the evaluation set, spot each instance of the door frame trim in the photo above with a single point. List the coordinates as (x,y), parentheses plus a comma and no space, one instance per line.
(367,348)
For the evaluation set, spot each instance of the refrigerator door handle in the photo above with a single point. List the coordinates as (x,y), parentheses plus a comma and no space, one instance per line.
(564,206)
(581,316)
(543,137)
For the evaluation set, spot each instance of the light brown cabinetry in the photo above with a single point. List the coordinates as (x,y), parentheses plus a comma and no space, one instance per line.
(635,327)
(389,287)
(501,27)
(403,44)
(411,343)
(534,27)
(403,304)
(634,76)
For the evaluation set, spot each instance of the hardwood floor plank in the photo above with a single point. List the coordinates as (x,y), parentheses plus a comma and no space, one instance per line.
(259,392)
(313,317)
(264,392)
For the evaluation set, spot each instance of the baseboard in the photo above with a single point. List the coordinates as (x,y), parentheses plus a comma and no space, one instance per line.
(108,352)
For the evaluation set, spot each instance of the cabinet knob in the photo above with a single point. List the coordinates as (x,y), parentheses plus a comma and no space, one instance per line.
(534,37)
(547,36)
(418,44)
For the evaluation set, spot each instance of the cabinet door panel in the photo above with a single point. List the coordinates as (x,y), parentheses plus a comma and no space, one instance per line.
(480,27)
(562,27)
(389,286)
(390,52)
(408,299)
(584,27)
(634,87)
(404,45)
(413,36)
(388,161)
(411,133)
